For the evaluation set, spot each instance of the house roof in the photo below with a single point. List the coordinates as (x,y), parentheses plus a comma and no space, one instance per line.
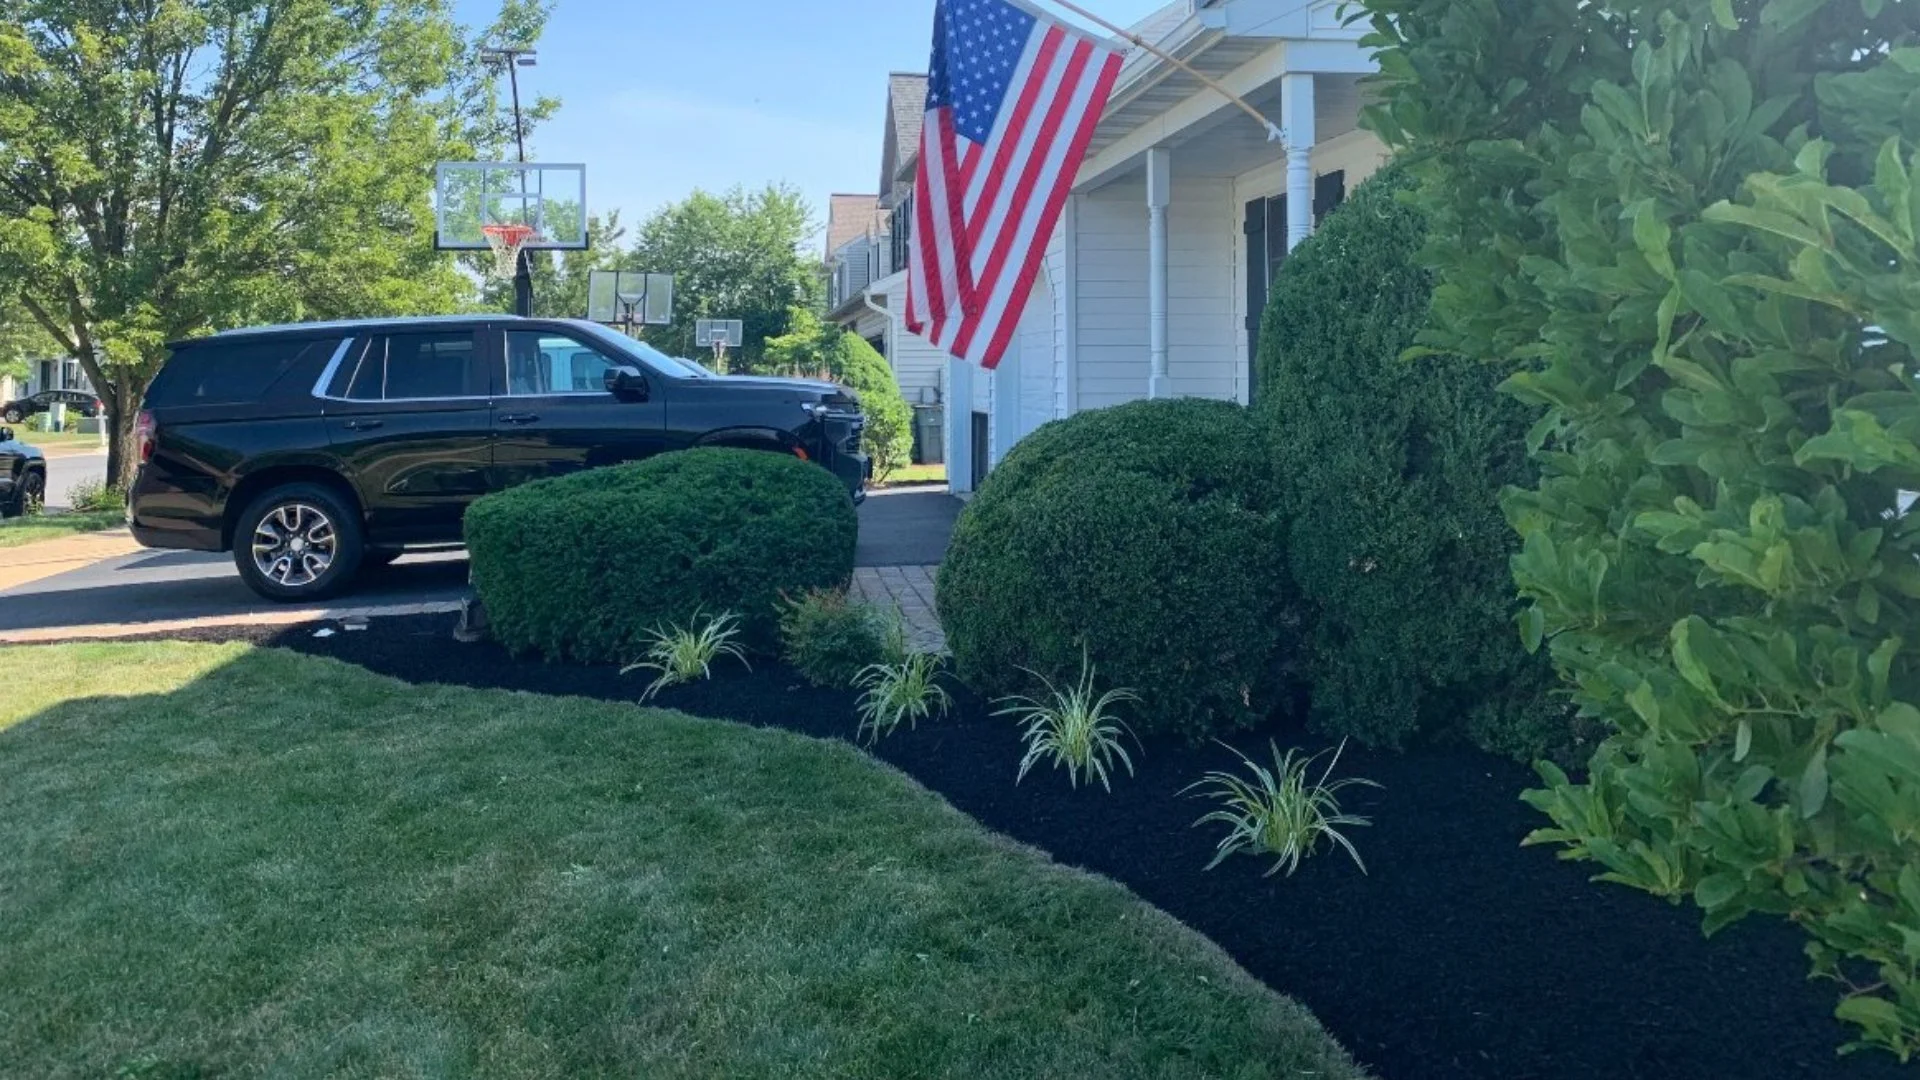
(848,218)
(906,114)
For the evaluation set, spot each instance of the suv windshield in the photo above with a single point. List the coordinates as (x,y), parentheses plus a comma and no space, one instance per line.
(638,350)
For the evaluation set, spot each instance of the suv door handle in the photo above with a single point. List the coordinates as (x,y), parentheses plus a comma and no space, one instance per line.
(364,425)
(518,418)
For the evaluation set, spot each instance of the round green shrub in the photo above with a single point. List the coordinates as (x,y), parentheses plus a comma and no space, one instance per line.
(830,638)
(582,567)
(1390,473)
(1142,535)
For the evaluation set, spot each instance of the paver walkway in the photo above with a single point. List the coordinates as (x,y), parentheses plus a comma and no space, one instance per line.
(910,590)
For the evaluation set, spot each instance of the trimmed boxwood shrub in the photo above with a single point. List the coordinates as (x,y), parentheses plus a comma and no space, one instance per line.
(581,567)
(1390,471)
(1142,534)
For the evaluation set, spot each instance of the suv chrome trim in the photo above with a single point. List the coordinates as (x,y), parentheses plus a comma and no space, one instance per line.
(333,368)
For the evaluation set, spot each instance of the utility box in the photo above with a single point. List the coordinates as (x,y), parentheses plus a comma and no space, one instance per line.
(929,435)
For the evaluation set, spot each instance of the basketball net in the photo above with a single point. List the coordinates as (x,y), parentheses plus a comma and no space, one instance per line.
(506,242)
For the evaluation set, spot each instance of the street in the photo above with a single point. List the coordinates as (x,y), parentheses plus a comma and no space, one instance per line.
(64,470)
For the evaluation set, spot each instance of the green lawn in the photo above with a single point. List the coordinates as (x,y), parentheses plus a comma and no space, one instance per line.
(918,474)
(26,530)
(223,861)
(48,440)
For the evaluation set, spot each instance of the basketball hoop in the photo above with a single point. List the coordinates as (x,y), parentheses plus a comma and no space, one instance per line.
(506,242)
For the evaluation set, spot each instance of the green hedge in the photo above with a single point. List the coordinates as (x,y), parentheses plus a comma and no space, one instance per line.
(581,567)
(1695,223)
(1143,533)
(1390,472)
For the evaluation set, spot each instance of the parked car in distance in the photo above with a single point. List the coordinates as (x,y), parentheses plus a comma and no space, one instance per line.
(312,450)
(23,475)
(18,410)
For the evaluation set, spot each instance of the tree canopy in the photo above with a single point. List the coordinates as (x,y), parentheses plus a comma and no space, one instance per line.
(733,256)
(173,167)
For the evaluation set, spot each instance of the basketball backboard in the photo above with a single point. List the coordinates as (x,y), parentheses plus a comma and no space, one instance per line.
(629,297)
(719,333)
(551,199)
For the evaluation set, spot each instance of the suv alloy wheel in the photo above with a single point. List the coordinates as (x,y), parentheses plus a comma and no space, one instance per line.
(298,542)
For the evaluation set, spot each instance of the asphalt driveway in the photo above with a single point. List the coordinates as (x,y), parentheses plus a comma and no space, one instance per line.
(907,527)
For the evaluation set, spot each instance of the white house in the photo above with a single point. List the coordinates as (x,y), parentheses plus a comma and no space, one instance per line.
(1156,278)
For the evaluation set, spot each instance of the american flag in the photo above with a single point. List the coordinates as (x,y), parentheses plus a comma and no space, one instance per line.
(1012,98)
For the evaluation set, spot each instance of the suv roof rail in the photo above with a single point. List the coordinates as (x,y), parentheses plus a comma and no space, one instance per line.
(344,324)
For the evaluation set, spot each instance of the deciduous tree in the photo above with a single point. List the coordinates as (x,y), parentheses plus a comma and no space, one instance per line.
(733,256)
(174,167)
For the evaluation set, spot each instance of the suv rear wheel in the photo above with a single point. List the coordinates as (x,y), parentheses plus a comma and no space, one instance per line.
(298,542)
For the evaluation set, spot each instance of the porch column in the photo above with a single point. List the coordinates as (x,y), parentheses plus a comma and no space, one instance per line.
(1296,103)
(1159,183)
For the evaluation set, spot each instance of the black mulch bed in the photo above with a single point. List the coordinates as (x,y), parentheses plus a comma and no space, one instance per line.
(1459,954)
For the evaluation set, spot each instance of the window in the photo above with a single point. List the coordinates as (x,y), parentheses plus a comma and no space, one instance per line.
(413,367)
(216,373)
(549,363)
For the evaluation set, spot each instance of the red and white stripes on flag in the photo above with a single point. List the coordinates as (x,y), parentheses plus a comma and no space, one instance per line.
(1013,97)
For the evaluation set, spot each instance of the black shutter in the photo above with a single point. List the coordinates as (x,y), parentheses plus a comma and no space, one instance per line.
(1256,230)
(1329,191)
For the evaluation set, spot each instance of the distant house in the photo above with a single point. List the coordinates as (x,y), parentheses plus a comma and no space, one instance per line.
(878,262)
(1156,279)
(856,254)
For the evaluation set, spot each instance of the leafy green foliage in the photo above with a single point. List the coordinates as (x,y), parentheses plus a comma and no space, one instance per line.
(583,566)
(1280,810)
(737,255)
(831,638)
(1390,471)
(820,350)
(1072,728)
(1141,536)
(91,496)
(685,654)
(1692,227)
(900,691)
(170,170)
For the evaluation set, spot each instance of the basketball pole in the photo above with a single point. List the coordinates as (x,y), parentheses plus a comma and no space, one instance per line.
(523,262)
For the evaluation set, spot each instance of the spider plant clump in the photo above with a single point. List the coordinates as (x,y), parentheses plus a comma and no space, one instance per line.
(907,691)
(1281,810)
(1072,728)
(685,654)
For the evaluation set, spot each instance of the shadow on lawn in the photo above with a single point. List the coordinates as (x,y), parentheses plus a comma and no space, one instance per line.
(1459,955)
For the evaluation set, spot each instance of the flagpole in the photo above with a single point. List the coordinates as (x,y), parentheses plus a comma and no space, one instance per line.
(1274,132)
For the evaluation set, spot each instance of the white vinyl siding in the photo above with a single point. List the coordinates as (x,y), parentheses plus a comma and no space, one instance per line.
(918,366)
(1110,304)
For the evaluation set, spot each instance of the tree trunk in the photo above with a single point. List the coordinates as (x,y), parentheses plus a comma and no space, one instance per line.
(122,412)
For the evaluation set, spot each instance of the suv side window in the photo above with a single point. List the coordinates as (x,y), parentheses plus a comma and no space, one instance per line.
(212,373)
(413,367)
(541,362)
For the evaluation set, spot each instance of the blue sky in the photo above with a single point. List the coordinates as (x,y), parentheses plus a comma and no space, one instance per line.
(663,96)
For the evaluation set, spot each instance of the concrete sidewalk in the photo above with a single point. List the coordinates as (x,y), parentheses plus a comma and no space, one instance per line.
(46,558)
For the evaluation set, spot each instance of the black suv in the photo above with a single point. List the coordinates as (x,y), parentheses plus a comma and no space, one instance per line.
(23,476)
(313,450)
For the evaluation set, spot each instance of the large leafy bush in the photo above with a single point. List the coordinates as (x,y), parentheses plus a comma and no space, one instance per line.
(1692,223)
(821,350)
(1142,535)
(1390,472)
(585,566)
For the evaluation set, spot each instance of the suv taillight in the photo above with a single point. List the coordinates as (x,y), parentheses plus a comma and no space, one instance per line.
(145,434)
